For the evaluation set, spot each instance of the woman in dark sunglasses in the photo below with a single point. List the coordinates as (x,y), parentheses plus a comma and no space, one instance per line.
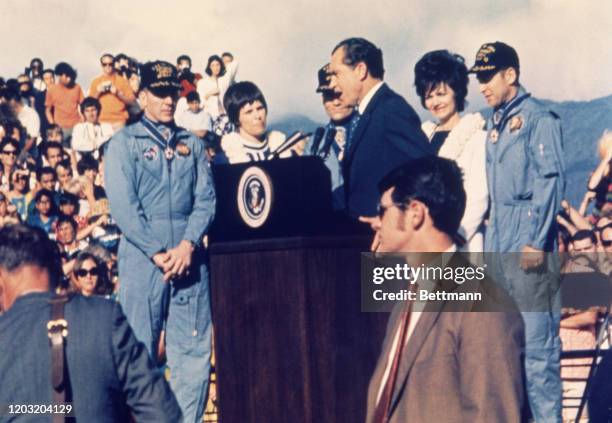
(89,276)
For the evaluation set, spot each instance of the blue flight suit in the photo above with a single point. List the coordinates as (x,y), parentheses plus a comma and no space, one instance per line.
(157,202)
(526,179)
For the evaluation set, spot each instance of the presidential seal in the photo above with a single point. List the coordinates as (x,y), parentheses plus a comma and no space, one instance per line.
(255,196)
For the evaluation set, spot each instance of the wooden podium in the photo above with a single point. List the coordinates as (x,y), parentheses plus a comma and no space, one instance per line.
(291,342)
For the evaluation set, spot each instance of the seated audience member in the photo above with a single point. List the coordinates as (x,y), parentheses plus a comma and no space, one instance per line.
(441,80)
(583,249)
(89,168)
(44,217)
(9,151)
(64,174)
(66,235)
(89,276)
(247,110)
(8,213)
(194,118)
(19,195)
(54,134)
(27,117)
(89,136)
(51,153)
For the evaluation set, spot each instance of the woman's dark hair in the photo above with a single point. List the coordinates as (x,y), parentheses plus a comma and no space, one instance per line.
(239,95)
(64,68)
(86,163)
(43,193)
(103,286)
(212,59)
(436,182)
(442,66)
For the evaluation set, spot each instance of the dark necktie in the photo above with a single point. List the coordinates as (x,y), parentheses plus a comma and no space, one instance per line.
(352,128)
(381,412)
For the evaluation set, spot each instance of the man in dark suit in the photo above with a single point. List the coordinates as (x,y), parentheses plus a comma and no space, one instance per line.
(442,361)
(388,131)
(107,375)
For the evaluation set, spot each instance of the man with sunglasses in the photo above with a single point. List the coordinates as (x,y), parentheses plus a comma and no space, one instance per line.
(114,93)
(162,197)
(526,179)
(332,142)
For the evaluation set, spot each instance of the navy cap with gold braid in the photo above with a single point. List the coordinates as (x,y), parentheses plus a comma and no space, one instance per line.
(493,57)
(159,77)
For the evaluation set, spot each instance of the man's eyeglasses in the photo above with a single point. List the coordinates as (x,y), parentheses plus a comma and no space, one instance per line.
(10,152)
(81,273)
(107,64)
(606,242)
(381,210)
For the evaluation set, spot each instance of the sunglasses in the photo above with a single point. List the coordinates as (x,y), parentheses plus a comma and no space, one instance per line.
(381,210)
(606,242)
(81,273)
(10,152)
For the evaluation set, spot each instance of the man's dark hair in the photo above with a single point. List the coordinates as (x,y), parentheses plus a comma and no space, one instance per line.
(69,198)
(43,193)
(62,218)
(183,57)
(48,70)
(227,54)
(64,68)
(193,96)
(212,59)
(361,50)
(239,95)
(46,170)
(86,163)
(89,102)
(12,95)
(434,181)
(22,245)
(585,234)
(442,67)
(45,146)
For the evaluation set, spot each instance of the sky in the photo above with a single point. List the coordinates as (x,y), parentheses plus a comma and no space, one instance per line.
(564,45)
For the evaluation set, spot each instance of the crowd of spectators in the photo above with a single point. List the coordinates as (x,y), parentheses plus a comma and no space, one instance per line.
(52,135)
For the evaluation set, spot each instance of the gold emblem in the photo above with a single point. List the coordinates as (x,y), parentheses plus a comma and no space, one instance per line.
(163,71)
(493,136)
(516,123)
(182,149)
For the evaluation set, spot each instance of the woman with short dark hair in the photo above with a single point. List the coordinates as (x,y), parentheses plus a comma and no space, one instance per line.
(441,80)
(248,111)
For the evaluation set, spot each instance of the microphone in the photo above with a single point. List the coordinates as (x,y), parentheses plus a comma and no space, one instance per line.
(329,139)
(316,140)
(288,143)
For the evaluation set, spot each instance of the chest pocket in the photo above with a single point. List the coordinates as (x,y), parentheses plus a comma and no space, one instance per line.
(150,163)
(184,168)
(515,160)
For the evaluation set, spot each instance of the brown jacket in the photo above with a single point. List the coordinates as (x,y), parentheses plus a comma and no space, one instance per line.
(457,366)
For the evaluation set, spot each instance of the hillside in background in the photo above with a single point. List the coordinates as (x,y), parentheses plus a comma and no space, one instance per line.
(583,122)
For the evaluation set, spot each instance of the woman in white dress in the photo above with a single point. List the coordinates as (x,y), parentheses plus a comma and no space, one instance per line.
(213,86)
(247,110)
(441,80)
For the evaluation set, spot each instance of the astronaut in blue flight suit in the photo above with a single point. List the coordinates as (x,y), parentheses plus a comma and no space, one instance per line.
(526,179)
(162,196)
(336,136)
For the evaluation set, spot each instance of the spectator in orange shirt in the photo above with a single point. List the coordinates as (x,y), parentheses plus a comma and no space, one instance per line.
(114,93)
(63,99)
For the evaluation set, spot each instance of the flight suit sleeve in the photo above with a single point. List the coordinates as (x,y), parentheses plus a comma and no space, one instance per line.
(120,185)
(146,391)
(545,150)
(204,200)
